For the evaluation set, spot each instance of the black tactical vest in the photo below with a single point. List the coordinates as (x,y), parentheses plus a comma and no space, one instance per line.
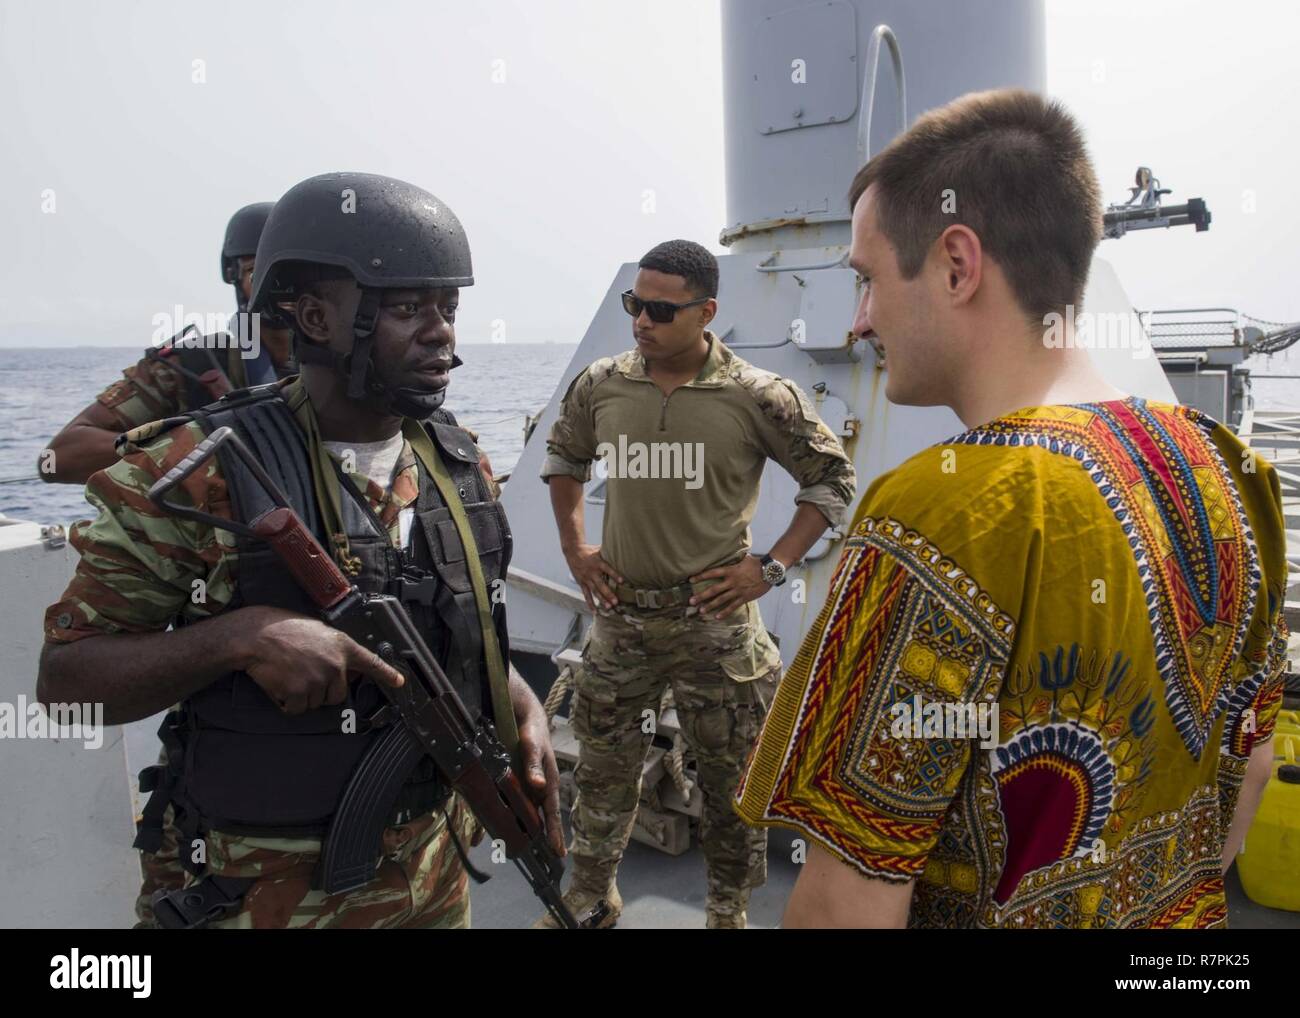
(247,767)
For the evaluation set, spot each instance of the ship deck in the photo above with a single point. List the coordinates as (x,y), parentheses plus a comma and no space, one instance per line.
(667,892)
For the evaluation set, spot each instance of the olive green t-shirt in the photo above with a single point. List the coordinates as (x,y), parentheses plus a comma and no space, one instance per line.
(683,470)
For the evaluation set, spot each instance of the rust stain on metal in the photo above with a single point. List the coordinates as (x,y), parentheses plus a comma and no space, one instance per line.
(750,229)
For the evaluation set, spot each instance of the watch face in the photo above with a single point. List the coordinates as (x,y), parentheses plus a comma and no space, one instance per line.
(773,572)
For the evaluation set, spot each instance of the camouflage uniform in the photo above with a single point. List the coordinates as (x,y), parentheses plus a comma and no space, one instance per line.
(127,584)
(657,533)
(420,883)
(148,391)
(723,674)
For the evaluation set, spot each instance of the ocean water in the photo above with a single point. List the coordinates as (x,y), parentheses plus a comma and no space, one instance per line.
(41,390)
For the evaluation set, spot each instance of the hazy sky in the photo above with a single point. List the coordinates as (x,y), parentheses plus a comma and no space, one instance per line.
(600,101)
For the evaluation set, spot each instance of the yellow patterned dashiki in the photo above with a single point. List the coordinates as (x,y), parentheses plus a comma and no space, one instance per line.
(1111,576)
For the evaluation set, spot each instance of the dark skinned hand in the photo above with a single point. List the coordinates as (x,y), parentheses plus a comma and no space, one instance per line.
(541,777)
(594,575)
(738,584)
(301,663)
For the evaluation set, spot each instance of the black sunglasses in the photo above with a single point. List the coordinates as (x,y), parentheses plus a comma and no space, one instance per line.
(659,310)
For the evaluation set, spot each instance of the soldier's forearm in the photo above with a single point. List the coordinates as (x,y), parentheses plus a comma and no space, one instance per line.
(84,446)
(76,452)
(807,526)
(522,697)
(566,503)
(135,675)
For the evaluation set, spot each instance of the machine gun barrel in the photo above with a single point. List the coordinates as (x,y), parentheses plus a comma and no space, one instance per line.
(1119,219)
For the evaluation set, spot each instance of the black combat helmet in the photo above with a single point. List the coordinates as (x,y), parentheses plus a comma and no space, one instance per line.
(242,234)
(386,234)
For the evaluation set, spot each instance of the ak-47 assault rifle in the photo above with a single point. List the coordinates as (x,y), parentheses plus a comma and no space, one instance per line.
(433,719)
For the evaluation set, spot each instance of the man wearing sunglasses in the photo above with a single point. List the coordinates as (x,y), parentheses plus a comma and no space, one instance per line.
(684,429)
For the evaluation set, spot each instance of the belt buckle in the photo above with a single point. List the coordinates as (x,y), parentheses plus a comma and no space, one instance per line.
(648,599)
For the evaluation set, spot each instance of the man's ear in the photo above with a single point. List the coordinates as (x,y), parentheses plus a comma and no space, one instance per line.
(708,311)
(313,320)
(962,259)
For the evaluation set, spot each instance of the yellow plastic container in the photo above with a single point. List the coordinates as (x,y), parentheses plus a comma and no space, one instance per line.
(1269,863)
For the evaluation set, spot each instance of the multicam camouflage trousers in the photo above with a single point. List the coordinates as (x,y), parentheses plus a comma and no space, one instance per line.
(723,673)
(421,882)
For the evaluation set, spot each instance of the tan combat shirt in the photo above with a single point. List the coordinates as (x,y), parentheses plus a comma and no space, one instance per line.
(684,470)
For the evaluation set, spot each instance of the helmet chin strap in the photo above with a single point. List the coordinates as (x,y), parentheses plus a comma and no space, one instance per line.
(358,368)
(361,377)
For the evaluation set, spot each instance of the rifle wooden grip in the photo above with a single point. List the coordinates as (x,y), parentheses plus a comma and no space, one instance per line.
(523,803)
(310,564)
(505,810)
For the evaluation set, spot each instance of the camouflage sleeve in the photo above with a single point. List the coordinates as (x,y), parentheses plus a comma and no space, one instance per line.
(140,567)
(147,391)
(571,445)
(794,436)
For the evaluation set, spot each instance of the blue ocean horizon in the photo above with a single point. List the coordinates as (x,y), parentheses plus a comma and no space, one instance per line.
(41,389)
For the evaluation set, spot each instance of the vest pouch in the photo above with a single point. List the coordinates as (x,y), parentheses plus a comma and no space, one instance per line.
(487,521)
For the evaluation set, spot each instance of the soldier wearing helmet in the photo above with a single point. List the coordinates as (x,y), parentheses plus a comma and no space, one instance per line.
(277,710)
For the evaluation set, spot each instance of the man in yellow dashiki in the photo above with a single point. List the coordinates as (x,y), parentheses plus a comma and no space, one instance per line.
(1101,573)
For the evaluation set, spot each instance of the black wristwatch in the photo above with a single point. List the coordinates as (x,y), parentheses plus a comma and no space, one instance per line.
(773,571)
